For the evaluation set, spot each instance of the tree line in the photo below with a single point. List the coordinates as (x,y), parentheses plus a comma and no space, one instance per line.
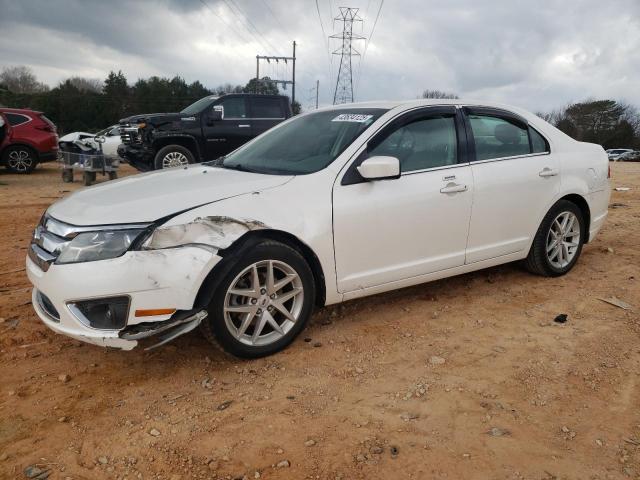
(82,104)
(86,104)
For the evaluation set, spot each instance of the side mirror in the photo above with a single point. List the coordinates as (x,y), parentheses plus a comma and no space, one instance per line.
(380,168)
(217,113)
(99,139)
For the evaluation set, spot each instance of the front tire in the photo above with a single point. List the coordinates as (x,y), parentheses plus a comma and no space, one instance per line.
(20,159)
(558,242)
(263,302)
(173,156)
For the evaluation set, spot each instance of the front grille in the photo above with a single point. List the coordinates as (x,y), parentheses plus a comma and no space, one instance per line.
(47,306)
(129,134)
(48,241)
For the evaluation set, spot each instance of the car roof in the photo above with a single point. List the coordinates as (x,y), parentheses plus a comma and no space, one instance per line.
(19,110)
(426,102)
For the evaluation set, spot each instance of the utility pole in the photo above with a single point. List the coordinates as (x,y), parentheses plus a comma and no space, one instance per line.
(283,82)
(344,82)
(317,90)
(293,75)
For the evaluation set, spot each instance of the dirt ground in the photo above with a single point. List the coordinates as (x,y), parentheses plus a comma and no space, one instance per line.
(464,378)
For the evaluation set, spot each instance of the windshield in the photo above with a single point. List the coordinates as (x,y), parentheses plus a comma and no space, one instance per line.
(304,145)
(198,106)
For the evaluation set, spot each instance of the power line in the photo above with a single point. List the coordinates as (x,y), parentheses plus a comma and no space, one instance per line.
(366,46)
(228,25)
(325,40)
(375,22)
(248,23)
(324,35)
(273,14)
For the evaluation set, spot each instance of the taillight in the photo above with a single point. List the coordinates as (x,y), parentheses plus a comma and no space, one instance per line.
(45,128)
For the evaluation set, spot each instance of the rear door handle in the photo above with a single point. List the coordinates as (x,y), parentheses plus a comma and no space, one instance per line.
(453,188)
(244,125)
(548,172)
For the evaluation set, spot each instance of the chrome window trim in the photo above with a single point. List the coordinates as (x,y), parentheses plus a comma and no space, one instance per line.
(435,169)
(513,157)
(266,118)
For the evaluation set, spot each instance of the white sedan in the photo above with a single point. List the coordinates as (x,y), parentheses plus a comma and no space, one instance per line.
(111,139)
(328,206)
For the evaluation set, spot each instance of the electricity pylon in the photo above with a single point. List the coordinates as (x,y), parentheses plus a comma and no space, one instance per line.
(344,83)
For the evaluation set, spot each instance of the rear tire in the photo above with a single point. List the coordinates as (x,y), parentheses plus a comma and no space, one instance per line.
(113,175)
(251,316)
(173,156)
(558,242)
(20,159)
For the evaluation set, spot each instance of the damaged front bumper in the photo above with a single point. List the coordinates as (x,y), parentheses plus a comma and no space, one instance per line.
(137,156)
(166,279)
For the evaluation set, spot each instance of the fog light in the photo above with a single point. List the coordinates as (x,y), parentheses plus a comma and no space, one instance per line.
(102,313)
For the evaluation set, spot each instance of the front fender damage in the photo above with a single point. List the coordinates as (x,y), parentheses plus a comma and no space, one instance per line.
(217,232)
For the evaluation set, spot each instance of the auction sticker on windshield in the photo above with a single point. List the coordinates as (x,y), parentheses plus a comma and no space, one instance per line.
(352,117)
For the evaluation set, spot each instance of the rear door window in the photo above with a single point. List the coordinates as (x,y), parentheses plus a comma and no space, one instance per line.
(497,137)
(538,143)
(266,108)
(16,119)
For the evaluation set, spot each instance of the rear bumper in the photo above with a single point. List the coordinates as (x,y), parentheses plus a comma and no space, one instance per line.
(599,208)
(48,156)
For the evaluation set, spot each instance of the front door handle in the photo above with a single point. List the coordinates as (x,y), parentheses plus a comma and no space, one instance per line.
(453,188)
(548,172)
(244,125)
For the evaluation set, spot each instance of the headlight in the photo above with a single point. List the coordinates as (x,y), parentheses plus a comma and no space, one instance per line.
(91,246)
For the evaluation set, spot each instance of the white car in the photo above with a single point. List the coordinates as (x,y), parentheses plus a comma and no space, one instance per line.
(614,154)
(111,139)
(326,207)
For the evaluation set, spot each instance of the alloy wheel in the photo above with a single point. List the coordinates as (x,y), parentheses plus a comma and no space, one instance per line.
(563,240)
(174,159)
(263,302)
(20,160)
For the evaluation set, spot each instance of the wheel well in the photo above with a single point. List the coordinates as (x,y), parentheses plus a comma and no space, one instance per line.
(24,145)
(582,204)
(185,142)
(203,298)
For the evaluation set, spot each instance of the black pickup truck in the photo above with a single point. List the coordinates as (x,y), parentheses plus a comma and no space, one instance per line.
(209,128)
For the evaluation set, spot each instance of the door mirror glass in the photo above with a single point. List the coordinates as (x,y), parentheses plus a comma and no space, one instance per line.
(380,168)
(217,113)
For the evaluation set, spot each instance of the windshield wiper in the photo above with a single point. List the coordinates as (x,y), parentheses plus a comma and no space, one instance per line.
(239,167)
(218,162)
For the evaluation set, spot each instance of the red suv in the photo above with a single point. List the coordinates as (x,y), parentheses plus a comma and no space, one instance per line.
(27,137)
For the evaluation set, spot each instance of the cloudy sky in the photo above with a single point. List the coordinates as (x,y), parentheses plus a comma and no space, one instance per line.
(536,54)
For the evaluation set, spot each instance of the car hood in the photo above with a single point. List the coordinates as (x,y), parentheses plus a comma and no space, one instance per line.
(153,118)
(72,137)
(150,196)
